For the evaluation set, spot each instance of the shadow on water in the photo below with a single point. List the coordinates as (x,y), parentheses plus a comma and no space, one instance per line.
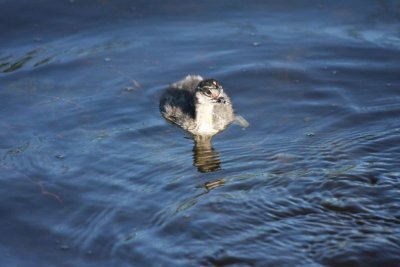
(205,157)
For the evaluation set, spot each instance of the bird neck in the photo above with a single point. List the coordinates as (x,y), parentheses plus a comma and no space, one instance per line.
(204,117)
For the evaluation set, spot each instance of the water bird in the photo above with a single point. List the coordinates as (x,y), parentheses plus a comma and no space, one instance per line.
(202,108)
(199,106)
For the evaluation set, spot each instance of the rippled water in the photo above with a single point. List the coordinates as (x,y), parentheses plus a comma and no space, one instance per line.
(91,174)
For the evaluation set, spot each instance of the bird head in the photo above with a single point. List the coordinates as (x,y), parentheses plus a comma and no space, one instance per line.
(211,89)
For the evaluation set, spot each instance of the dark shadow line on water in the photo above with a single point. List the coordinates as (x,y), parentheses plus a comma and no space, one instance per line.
(191,201)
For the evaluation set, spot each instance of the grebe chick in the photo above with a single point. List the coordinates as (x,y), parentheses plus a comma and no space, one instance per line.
(199,106)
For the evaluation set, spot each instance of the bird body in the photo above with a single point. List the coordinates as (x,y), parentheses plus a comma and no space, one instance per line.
(199,106)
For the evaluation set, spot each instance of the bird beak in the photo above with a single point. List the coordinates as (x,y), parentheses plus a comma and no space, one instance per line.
(221,100)
(218,98)
(217,95)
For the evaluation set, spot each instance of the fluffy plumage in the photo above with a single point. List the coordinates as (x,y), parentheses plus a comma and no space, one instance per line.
(198,106)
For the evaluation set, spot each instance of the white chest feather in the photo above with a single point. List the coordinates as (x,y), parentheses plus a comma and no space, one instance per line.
(204,119)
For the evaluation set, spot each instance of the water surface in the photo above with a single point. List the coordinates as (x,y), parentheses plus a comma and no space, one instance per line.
(91,174)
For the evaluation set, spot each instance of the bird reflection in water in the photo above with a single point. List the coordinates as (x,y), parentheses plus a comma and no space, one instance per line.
(205,157)
(214,184)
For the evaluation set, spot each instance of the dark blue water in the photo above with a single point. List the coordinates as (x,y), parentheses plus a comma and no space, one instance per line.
(91,174)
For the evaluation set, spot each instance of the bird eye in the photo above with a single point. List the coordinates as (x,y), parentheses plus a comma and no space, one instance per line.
(207,92)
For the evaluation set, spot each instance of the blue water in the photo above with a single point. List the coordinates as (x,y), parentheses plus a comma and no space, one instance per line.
(92,175)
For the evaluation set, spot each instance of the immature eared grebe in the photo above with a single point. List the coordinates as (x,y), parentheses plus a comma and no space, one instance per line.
(199,106)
